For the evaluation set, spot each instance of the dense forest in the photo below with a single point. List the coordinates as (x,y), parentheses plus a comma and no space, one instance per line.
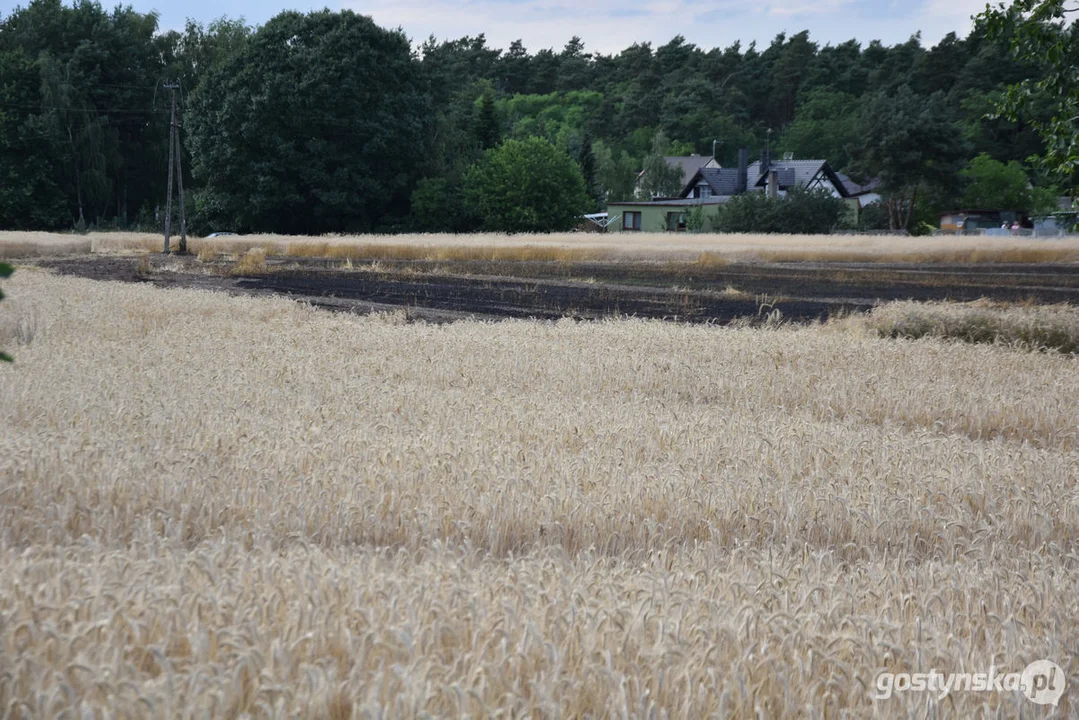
(325,122)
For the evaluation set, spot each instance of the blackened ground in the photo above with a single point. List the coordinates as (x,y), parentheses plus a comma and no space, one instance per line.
(678,291)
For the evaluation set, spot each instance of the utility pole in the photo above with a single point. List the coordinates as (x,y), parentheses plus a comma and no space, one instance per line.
(175,161)
(180,185)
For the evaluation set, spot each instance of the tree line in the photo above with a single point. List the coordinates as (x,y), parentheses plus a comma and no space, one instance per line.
(324,122)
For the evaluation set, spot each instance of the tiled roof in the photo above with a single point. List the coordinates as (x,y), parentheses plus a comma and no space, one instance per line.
(723,181)
(854,189)
(804,171)
(688,164)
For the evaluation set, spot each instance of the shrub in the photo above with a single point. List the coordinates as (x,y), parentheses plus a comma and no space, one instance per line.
(802,211)
(526,186)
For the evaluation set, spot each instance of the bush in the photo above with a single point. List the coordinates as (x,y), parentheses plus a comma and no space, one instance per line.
(801,212)
(873,216)
(526,186)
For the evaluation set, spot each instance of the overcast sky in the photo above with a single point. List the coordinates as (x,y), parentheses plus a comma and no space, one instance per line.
(608,26)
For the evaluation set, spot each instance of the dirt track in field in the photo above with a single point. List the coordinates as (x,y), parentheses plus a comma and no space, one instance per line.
(677,291)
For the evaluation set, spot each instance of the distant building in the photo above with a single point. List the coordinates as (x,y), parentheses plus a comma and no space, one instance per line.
(711,185)
(866,194)
(1061,221)
(687,164)
(976,220)
(664,215)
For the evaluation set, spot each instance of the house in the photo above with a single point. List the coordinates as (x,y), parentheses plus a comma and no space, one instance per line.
(867,194)
(687,164)
(712,185)
(719,182)
(776,177)
(662,215)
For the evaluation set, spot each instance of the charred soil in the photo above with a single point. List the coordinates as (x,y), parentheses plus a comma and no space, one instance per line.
(677,291)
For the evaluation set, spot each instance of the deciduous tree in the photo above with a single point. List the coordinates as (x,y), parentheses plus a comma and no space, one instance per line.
(660,179)
(996,185)
(526,186)
(1044,36)
(317,124)
(910,144)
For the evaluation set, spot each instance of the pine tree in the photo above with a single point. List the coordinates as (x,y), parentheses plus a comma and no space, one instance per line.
(487,131)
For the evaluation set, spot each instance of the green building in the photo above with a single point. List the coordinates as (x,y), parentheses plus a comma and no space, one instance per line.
(657,215)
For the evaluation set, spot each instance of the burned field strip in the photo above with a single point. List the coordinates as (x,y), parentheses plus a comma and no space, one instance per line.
(677,291)
(544,298)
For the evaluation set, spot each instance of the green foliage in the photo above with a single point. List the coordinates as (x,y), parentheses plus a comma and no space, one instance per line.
(317,124)
(659,179)
(1040,35)
(311,131)
(800,212)
(825,127)
(589,171)
(617,172)
(31,197)
(77,128)
(5,272)
(993,185)
(488,133)
(438,206)
(873,217)
(1043,200)
(697,220)
(526,186)
(554,116)
(910,144)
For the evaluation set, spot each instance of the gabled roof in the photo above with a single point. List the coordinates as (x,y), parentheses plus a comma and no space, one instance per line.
(688,164)
(723,181)
(854,189)
(794,173)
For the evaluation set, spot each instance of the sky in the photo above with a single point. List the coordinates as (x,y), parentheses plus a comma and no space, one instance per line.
(609,26)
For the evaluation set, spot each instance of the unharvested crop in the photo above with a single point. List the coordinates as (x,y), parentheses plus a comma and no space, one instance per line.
(1046,327)
(23,245)
(707,249)
(215,506)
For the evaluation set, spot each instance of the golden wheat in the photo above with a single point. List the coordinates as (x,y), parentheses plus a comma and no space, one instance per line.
(1044,327)
(219,506)
(708,249)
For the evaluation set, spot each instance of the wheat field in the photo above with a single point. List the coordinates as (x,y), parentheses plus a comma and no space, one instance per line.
(218,506)
(709,247)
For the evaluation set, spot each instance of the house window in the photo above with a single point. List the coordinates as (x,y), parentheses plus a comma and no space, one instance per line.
(706,191)
(631,221)
(676,221)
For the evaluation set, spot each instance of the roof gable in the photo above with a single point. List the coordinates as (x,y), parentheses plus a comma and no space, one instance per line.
(798,173)
(855,189)
(722,181)
(688,164)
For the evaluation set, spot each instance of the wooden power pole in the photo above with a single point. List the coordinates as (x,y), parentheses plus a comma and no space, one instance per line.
(175,161)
